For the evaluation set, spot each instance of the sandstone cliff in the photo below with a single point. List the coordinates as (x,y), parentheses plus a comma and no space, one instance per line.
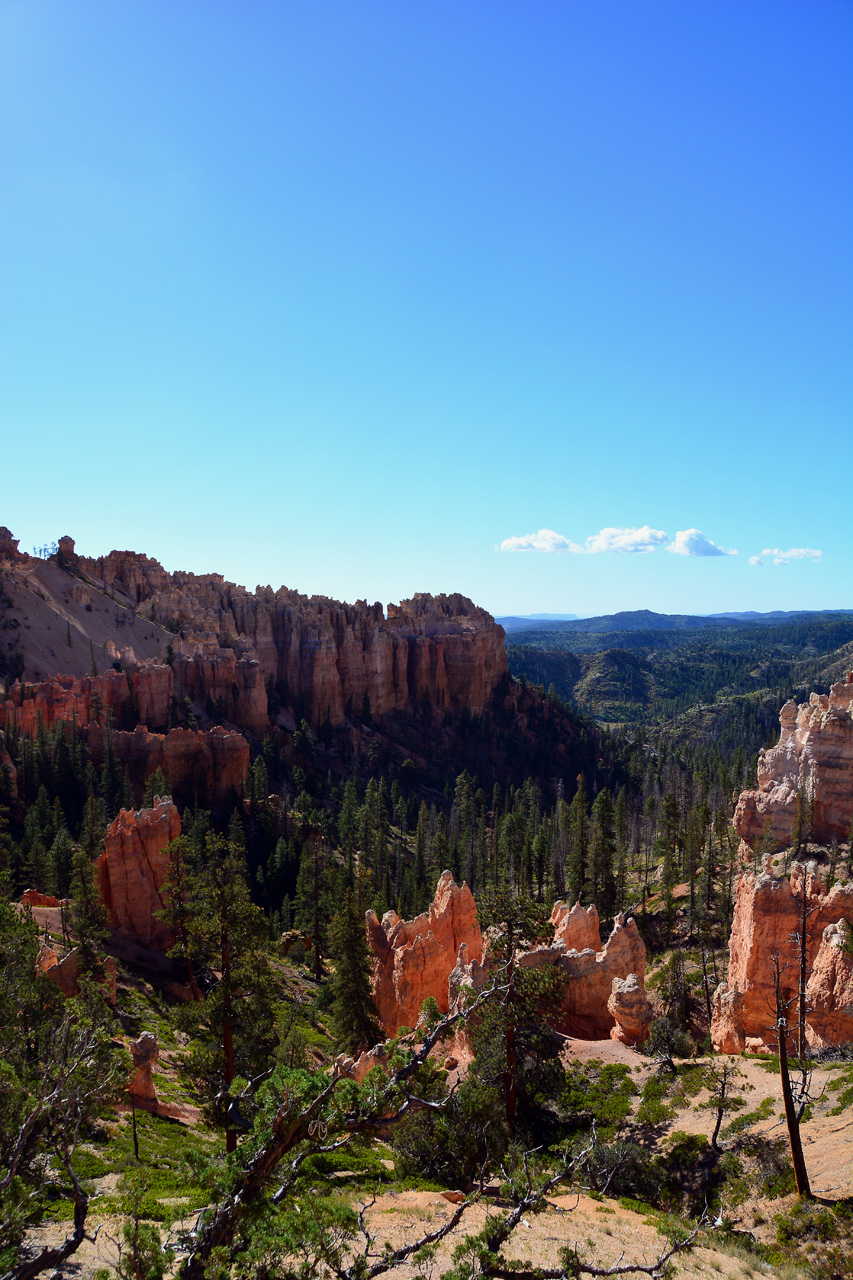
(413,959)
(204,767)
(441,952)
(587,1010)
(768,913)
(331,659)
(814,756)
(133,869)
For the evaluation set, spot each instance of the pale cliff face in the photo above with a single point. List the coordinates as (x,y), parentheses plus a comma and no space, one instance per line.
(814,756)
(767,918)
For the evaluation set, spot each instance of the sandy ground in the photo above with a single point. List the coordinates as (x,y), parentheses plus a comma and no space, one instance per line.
(603,1230)
(605,1233)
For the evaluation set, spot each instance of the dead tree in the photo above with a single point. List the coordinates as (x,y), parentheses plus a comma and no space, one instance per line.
(484,1253)
(793,1108)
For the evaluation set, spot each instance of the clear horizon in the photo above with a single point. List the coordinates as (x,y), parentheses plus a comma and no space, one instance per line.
(549,306)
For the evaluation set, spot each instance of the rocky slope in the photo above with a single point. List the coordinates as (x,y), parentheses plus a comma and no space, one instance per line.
(814,757)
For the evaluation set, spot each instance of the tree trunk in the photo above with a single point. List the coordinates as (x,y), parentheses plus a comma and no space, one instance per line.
(801,1176)
(509,1075)
(227,1032)
(721,1105)
(318,964)
(802,1044)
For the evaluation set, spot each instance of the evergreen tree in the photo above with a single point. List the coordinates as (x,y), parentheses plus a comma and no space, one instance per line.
(578,871)
(603,853)
(156,784)
(226,937)
(516,1051)
(88,913)
(354,1014)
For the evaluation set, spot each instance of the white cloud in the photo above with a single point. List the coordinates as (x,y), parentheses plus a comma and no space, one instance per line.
(630,540)
(782,557)
(544,540)
(693,542)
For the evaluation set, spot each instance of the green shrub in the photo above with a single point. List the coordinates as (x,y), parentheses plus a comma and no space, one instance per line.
(599,1093)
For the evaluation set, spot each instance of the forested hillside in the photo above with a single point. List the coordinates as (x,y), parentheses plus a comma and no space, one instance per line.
(691,680)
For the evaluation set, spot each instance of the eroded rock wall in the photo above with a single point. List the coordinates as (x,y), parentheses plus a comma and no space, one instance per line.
(441,952)
(767,921)
(332,659)
(814,756)
(206,767)
(413,959)
(133,869)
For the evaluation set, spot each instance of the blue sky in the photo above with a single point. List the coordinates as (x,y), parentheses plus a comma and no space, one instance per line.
(348,296)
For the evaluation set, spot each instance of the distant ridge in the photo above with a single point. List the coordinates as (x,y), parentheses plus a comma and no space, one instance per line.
(525,621)
(647,620)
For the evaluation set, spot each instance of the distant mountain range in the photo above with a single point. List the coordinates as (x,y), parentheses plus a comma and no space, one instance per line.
(524,622)
(647,620)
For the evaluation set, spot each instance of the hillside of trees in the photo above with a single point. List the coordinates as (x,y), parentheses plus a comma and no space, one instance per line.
(697,681)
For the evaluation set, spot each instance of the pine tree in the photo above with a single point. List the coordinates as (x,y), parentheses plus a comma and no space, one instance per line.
(516,1052)
(234,1026)
(354,1013)
(156,784)
(603,853)
(578,869)
(88,913)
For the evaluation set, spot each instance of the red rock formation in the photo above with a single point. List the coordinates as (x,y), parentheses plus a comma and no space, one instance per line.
(357,1067)
(631,1010)
(63,699)
(133,869)
(413,959)
(235,686)
(144,1052)
(9,547)
(767,915)
(829,991)
(588,974)
(210,766)
(152,686)
(65,555)
(436,652)
(814,755)
(32,898)
(66,972)
(440,954)
(576,927)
